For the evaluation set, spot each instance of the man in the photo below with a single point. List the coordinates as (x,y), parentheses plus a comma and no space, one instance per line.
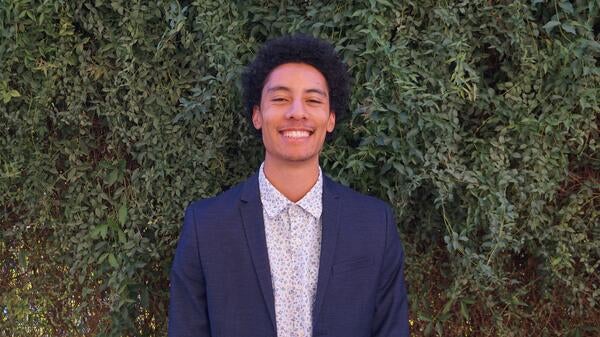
(289,252)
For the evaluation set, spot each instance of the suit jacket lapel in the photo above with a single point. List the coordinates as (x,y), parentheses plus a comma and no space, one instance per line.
(330,228)
(252,218)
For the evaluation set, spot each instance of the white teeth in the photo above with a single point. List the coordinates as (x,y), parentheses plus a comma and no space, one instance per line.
(296,134)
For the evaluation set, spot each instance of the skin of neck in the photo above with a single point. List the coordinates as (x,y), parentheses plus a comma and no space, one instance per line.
(292,179)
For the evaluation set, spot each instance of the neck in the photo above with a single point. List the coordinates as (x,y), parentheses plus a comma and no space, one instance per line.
(293,180)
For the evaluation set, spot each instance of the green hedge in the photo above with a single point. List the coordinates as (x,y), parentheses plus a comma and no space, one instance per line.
(477,120)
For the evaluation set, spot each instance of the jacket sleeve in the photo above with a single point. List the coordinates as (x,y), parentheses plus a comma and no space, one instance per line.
(188,313)
(391,306)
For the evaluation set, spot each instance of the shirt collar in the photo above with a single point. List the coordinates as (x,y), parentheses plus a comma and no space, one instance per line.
(274,202)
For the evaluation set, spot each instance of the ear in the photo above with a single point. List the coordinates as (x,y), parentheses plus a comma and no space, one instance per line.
(256,117)
(331,121)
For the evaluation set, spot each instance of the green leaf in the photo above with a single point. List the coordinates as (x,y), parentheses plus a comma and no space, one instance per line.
(123,212)
(568,28)
(102,230)
(594,45)
(102,258)
(428,329)
(121,235)
(464,311)
(112,260)
(550,25)
(112,177)
(567,7)
(145,298)
(385,3)
(22,259)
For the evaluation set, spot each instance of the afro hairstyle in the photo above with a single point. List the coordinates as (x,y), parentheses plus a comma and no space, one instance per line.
(298,48)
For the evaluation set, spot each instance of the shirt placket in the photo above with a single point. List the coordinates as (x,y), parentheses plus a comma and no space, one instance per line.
(298,269)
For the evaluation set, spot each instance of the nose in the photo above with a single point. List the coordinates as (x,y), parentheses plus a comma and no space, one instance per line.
(296,110)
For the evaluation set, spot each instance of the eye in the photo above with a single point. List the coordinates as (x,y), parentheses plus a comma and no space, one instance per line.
(278,99)
(314,101)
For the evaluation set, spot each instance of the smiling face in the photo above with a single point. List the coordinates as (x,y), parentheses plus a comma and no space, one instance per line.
(294,114)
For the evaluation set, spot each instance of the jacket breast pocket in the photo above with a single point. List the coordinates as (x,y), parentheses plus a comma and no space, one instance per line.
(348,266)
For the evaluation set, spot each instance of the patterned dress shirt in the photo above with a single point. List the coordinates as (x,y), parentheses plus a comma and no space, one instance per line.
(293,235)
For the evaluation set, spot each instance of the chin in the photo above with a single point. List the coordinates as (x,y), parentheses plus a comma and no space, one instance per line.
(297,157)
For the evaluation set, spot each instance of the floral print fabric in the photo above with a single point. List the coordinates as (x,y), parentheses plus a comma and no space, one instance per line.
(293,235)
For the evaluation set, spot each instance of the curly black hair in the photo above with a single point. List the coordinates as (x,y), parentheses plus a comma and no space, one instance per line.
(298,48)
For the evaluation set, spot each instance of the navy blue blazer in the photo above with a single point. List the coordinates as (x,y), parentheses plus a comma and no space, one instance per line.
(221,281)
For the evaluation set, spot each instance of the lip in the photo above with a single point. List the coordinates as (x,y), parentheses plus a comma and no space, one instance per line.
(310,130)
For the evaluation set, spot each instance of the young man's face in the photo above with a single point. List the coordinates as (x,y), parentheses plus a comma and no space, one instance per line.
(294,113)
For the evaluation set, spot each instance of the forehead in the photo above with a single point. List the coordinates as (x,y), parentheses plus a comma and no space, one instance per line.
(296,75)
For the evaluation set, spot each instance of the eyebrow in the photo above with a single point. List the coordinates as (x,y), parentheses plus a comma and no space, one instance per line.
(284,88)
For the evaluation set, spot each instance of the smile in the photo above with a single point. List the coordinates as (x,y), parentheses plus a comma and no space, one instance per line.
(295,133)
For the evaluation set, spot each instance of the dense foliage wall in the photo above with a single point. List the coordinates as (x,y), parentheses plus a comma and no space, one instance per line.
(477,120)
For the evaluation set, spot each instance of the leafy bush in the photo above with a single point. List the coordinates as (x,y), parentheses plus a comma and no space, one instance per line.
(477,120)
